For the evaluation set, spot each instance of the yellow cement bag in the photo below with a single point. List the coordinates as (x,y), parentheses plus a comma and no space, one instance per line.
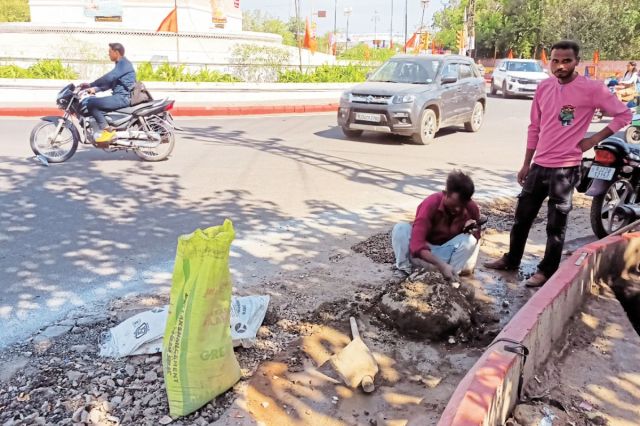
(198,360)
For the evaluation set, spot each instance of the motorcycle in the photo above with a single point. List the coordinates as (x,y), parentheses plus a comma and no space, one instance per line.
(146,129)
(612,178)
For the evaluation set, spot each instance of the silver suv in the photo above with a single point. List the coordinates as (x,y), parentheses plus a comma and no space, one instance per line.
(415,96)
(517,77)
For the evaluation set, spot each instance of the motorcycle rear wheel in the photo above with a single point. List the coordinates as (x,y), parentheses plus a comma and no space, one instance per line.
(164,148)
(55,150)
(603,221)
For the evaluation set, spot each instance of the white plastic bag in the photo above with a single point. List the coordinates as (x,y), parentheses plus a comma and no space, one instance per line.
(247,314)
(142,334)
(132,336)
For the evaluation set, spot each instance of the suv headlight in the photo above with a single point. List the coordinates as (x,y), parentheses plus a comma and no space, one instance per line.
(403,99)
(346,96)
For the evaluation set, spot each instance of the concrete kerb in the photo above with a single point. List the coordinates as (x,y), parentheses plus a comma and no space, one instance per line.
(489,391)
(191,111)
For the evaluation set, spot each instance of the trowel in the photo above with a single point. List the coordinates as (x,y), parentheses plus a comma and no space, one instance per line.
(355,364)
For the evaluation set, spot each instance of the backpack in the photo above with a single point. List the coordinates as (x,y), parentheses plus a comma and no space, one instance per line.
(139,94)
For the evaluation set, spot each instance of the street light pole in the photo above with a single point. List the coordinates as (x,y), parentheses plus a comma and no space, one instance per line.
(406,11)
(376,17)
(335,18)
(391,28)
(347,13)
(424,6)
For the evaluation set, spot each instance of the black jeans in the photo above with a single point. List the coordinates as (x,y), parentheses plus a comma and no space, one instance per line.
(543,182)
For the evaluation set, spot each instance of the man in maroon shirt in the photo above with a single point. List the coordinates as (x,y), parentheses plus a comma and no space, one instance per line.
(437,235)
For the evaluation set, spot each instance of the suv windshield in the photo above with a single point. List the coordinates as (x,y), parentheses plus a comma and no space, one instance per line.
(524,67)
(407,71)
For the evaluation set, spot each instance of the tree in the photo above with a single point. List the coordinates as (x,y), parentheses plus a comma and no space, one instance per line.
(255,20)
(526,26)
(14,11)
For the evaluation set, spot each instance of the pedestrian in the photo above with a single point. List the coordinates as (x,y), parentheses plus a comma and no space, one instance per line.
(437,238)
(560,116)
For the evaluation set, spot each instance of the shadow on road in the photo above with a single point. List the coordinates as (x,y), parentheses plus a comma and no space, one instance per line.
(374,138)
(417,186)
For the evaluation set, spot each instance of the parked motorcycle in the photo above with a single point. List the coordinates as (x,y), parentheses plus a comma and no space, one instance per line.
(146,129)
(612,178)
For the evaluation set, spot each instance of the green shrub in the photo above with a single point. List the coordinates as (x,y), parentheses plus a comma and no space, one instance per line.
(174,73)
(327,74)
(45,69)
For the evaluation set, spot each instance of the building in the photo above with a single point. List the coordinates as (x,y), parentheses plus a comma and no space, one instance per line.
(194,16)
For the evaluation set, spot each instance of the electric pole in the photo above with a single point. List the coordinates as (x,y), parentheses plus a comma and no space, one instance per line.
(391,29)
(471,28)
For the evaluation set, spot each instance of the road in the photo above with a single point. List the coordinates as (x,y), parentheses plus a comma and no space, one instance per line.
(105,225)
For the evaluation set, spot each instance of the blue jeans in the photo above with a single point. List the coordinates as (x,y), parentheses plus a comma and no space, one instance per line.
(461,252)
(98,106)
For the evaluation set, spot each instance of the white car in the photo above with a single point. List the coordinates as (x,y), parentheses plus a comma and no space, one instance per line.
(517,77)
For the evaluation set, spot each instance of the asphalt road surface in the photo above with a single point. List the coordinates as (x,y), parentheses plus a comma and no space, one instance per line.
(74,235)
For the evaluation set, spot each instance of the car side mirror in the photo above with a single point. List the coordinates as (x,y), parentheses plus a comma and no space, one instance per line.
(502,68)
(449,78)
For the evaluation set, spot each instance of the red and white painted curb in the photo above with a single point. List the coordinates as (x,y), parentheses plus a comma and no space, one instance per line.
(191,111)
(489,391)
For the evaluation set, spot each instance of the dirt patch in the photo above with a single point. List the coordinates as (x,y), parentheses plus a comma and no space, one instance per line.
(426,307)
(591,377)
(377,248)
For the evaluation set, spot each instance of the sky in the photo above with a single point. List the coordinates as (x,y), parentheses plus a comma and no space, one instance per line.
(361,20)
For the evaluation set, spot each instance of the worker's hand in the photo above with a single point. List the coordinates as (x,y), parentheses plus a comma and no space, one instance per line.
(91,90)
(447,272)
(587,143)
(523,173)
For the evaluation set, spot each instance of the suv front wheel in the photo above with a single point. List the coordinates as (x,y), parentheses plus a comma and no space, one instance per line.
(349,133)
(428,128)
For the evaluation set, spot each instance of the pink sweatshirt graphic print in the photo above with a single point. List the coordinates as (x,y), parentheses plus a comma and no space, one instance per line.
(560,118)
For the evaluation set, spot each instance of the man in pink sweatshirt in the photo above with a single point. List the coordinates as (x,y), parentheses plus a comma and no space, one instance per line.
(560,116)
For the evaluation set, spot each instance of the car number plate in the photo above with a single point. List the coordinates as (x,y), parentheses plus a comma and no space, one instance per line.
(374,118)
(603,173)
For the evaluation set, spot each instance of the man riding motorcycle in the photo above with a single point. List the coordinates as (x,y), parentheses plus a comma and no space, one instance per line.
(120,81)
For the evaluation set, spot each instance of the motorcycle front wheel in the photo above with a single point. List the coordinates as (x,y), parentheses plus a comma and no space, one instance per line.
(603,220)
(55,148)
(632,135)
(167,141)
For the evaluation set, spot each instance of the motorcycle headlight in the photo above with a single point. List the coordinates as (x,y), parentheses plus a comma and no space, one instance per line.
(403,99)
(346,96)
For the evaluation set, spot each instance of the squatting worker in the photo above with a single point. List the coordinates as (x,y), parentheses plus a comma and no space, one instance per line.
(436,236)
(560,116)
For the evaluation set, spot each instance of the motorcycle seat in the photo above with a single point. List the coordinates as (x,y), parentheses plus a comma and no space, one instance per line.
(132,109)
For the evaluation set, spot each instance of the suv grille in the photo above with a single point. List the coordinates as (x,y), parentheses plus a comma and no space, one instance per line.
(370,99)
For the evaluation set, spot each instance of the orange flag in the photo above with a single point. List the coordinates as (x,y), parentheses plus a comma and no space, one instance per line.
(596,57)
(411,43)
(307,36)
(309,41)
(170,23)
(543,57)
(510,54)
